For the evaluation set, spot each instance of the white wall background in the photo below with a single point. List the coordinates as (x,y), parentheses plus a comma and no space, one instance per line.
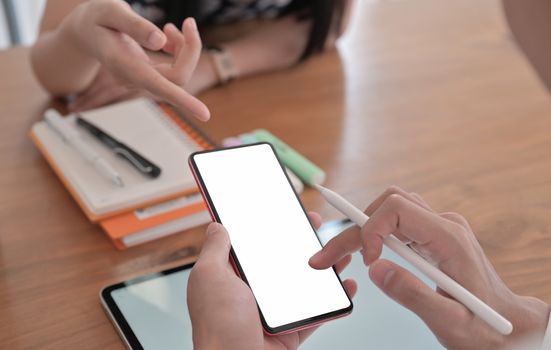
(28,13)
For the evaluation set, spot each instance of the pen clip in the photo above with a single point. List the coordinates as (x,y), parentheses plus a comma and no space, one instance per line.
(142,164)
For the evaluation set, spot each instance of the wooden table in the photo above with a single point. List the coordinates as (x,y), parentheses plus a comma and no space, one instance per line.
(430,95)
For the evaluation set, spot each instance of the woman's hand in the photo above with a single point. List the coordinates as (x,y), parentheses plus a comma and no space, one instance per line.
(111,33)
(103,90)
(448,242)
(223,310)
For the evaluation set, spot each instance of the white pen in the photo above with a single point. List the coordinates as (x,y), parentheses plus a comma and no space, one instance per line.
(72,137)
(477,306)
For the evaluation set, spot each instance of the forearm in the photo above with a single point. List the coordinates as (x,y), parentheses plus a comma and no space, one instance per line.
(248,62)
(60,65)
(253,57)
(263,50)
(530,317)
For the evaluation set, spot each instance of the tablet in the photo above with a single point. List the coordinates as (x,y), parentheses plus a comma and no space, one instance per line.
(145,323)
(150,312)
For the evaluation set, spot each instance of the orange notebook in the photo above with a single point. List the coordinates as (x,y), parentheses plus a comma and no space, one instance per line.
(155,131)
(153,222)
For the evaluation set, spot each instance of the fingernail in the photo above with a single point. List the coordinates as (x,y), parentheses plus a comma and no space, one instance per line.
(382,274)
(314,258)
(202,118)
(213,229)
(364,257)
(368,257)
(155,39)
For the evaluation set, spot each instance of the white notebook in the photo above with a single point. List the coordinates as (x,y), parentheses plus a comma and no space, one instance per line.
(143,126)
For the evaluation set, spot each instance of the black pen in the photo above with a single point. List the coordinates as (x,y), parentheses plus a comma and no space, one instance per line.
(142,164)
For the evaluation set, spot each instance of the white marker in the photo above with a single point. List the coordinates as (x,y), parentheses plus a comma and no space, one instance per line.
(477,306)
(72,138)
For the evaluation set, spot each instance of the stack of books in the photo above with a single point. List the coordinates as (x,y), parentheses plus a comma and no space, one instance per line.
(141,208)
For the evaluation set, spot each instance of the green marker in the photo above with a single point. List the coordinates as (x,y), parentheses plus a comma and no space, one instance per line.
(302,167)
(248,138)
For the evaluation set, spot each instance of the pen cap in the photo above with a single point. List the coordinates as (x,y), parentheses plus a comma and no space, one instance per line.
(59,124)
(302,167)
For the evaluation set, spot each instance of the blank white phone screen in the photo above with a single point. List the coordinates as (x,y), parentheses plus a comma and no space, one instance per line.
(270,234)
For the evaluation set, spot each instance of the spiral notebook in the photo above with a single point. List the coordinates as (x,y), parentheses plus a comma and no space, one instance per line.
(155,131)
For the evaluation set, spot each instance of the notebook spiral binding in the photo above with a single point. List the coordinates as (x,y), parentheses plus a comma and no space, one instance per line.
(192,136)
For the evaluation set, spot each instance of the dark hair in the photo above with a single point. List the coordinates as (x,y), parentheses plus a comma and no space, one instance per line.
(325,15)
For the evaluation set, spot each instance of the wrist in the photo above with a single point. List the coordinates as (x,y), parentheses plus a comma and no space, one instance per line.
(204,77)
(214,338)
(530,318)
(207,343)
(204,338)
(223,63)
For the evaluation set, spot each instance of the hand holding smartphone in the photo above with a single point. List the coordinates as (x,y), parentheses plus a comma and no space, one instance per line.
(247,190)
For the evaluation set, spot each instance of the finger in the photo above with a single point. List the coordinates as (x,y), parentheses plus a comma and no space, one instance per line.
(169,47)
(187,50)
(399,284)
(395,190)
(142,75)
(188,104)
(351,288)
(409,222)
(420,200)
(188,57)
(343,244)
(217,246)
(343,263)
(119,16)
(315,219)
(153,81)
(175,95)
(457,218)
(177,43)
(303,335)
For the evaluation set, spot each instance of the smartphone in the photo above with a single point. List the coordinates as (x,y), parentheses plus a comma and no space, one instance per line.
(247,190)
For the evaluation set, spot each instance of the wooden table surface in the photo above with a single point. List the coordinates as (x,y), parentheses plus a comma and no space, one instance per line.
(430,95)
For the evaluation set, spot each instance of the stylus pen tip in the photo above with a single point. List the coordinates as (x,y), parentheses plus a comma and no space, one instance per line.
(318,187)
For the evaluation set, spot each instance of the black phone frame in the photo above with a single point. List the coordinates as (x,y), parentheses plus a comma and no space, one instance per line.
(117,317)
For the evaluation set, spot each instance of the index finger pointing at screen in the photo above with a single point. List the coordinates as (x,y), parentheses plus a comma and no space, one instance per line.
(339,246)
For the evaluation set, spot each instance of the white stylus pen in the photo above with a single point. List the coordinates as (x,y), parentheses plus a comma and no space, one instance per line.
(477,306)
(72,137)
